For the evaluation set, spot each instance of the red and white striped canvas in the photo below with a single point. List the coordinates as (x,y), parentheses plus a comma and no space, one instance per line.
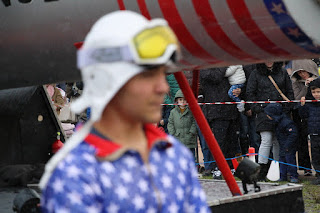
(218,33)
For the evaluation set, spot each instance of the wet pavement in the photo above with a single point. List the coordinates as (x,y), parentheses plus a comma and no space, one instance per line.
(7,196)
(215,191)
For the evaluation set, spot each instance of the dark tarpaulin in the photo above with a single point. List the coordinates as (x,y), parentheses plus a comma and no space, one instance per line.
(28,128)
(13,101)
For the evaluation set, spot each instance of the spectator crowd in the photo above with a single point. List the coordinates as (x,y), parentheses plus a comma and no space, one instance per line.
(277,131)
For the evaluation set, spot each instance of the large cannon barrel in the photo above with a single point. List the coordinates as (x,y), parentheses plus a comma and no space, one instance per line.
(37,36)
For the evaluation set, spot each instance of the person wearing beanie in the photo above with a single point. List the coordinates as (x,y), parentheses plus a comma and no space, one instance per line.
(181,123)
(287,135)
(311,112)
(168,100)
(119,161)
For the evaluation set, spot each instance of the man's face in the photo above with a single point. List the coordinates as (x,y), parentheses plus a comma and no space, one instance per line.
(140,99)
(316,93)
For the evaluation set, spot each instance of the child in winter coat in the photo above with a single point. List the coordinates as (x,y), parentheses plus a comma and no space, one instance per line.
(182,124)
(236,77)
(312,112)
(287,135)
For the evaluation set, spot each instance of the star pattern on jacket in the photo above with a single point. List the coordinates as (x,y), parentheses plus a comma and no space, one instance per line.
(126,183)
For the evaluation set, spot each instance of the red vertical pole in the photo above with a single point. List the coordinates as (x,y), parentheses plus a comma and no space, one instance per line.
(207,133)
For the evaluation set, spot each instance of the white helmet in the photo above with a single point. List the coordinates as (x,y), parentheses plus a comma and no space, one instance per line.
(117,48)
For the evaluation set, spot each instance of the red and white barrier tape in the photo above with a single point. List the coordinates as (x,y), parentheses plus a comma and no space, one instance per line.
(249,102)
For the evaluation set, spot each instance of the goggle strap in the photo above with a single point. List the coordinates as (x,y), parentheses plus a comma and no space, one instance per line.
(103,55)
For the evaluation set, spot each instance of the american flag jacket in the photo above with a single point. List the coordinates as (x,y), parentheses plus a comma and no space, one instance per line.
(102,176)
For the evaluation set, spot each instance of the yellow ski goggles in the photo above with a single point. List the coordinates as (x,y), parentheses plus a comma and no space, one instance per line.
(153,43)
(152,46)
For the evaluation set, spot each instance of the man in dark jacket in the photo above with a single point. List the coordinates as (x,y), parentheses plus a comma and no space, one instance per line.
(260,88)
(287,135)
(223,119)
